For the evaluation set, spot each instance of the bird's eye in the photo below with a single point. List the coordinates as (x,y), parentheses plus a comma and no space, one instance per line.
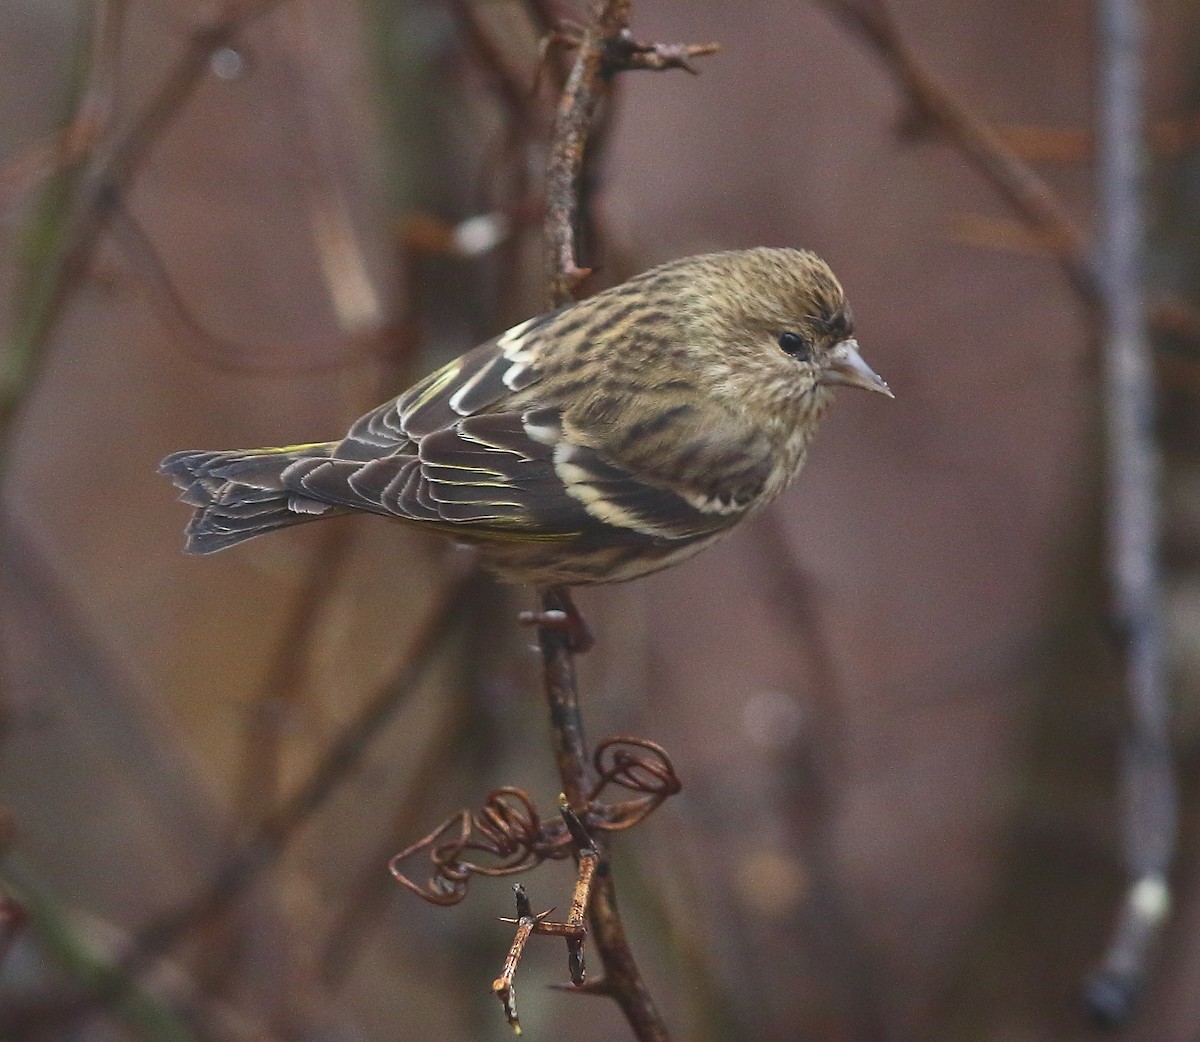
(795,345)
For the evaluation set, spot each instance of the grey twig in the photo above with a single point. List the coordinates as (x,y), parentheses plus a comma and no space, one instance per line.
(1133,517)
(1112,288)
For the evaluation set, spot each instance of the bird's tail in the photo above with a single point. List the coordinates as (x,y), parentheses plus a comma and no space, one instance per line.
(240,494)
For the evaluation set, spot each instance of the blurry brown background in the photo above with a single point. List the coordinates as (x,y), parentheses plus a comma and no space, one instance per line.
(890,698)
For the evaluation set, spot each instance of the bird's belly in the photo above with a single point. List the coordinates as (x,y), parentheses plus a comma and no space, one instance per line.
(569,564)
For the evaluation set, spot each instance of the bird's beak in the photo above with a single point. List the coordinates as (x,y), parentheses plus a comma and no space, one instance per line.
(845,366)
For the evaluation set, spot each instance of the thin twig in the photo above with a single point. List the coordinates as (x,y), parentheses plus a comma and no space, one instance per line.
(1166,139)
(1151,800)
(605,46)
(585,87)
(995,155)
(1014,179)
(503,987)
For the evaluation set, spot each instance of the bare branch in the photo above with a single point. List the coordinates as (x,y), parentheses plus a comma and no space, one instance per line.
(596,59)
(872,20)
(605,46)
(1151,800)
(1114,292)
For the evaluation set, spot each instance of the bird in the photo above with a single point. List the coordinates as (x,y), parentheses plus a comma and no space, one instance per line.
(596,443)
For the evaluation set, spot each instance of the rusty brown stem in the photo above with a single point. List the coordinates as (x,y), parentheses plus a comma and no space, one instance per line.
(586,85)
(562,692)
(604,47)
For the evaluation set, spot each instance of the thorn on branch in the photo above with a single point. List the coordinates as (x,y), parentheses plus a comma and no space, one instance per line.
(524,908)
(574,930)
(584,844)
(626,53)
(503,986)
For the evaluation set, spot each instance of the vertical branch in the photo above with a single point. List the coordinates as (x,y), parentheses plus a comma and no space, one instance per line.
(622,978)
(586,85)
(585,88)
(1133,522)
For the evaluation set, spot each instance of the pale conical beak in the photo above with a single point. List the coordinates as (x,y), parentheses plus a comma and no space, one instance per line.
(845,366)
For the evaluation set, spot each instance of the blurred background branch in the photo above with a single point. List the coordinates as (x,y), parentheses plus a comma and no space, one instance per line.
(1150,800)
(1114,291)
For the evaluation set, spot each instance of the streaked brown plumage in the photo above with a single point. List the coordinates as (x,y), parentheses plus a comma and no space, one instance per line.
(596,443)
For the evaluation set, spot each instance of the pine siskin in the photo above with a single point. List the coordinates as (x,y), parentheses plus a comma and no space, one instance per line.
(597,443)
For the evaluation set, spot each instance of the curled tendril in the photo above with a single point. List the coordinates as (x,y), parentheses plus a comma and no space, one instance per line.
(508,831)
(636,765)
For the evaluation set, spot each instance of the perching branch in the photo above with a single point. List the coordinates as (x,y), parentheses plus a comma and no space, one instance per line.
(604,47)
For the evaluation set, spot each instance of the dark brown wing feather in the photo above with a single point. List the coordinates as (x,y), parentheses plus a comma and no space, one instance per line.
(473,383)
(486,475)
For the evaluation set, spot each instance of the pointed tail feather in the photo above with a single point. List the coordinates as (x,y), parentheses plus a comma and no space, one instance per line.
(241,494)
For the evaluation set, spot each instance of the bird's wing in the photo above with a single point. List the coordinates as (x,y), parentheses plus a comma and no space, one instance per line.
(448,451)
(472,383)
(514,475)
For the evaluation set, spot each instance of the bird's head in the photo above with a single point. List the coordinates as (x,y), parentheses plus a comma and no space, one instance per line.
(776,323)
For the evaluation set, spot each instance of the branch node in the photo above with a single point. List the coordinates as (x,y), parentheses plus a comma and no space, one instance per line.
(626,53)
